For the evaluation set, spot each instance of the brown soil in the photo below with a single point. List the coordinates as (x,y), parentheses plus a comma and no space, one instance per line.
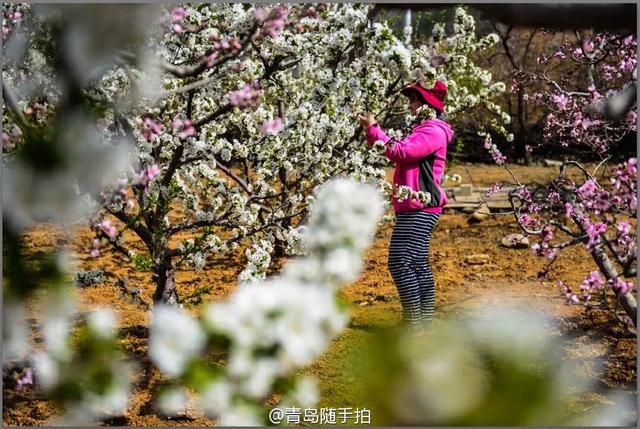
(591,337)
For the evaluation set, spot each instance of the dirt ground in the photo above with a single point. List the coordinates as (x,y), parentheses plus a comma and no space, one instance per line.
(605,351)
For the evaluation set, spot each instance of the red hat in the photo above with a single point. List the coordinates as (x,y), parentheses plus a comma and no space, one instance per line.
(434,97)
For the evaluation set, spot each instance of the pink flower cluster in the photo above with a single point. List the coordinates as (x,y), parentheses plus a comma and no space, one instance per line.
(571,296)
(273,23)
(624,184)
(248,96)
(595,198)
(593,231)
(543,248)
(497,156)
(8,141)
(147,175)
(620,285)
(185,128)
(271,127)
(25,379)
(495,188)
(95,249)
(591,284)
(626,241)
(13,17)
(230,45)
(151,129)
(528,221)
(177,19)
(108,228)
(561,101)
(612,57)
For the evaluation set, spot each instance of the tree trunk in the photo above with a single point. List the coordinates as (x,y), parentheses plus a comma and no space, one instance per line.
(526,156)
(627,300)
(166,291)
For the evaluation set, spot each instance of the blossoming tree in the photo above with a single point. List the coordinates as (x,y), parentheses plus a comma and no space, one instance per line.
(598,209)
(258,108)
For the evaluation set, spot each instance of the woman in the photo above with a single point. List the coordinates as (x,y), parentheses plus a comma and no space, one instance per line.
(419,159)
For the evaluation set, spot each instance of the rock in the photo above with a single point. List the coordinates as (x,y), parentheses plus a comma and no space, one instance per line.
(477,259)
(89,278)
(481,214)
(465,190)
(551,163)
(515,241)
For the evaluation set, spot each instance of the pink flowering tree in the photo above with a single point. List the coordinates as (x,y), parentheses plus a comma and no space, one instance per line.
(596,209)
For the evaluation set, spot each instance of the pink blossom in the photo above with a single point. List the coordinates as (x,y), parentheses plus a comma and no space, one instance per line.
(148,174)
(559,54)
(568,209)
(620,285)
(588,189)
(178,14)
(188,130)
(593,231)
(624,227)
(177,28)
(632,116)
(210,59)
(271,127)
(185,127)
(26,378)
(234,42)
(274,24)
(16,132)
(152,129)
(593,282)
(95,253)
(108,228)
(248,96)
(495,188)
(153,171)
(260,13)
(130,204)
(6,141)
(561,101)
(627,64)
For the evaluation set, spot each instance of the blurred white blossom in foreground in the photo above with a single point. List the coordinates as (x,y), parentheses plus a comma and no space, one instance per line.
(277,326)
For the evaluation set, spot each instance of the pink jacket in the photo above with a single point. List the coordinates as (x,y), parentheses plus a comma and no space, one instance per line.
(419,162)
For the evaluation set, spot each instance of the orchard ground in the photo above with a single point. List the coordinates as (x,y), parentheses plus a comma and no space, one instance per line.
(603,351)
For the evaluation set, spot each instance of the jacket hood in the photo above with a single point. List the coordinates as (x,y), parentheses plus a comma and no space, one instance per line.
(444,126)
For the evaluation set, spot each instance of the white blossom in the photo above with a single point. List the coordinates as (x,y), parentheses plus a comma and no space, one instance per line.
(174,338)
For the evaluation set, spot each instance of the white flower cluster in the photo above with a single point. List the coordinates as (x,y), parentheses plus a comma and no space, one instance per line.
(275,327)
(259,260)
(58,365)
(403,193)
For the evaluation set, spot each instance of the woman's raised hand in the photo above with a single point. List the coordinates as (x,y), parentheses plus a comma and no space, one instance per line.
(366,119)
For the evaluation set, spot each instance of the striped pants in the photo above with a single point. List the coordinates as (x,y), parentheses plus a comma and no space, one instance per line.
(409,265)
